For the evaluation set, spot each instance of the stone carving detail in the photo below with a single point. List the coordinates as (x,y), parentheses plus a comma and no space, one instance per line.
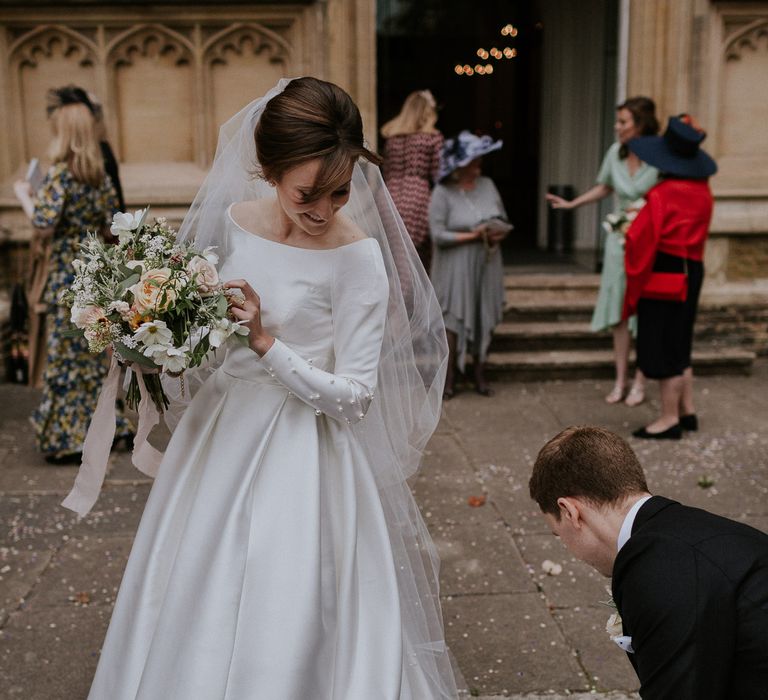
(41,42)
(751,37)
(240,38)
(150,40)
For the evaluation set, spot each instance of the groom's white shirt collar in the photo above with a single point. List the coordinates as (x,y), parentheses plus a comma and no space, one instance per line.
(626,528)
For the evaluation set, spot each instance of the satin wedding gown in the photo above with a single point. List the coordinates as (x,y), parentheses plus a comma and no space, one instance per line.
(262,567)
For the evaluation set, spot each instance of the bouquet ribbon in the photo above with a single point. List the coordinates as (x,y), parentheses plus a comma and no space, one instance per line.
(98,442)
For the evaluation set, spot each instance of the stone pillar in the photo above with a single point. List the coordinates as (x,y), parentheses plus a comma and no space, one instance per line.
(351,57)
(660,53)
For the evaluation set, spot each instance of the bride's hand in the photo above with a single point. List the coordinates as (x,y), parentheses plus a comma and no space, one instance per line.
(247,310)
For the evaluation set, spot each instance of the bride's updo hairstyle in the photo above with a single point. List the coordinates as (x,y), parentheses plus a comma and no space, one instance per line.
(311,119)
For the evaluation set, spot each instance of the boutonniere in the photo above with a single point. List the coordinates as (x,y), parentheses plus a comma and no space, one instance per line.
(615,628)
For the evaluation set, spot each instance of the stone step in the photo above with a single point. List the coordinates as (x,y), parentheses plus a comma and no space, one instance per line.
(577,304)
(518,336)
(580,364)
(551,281)
(711,332)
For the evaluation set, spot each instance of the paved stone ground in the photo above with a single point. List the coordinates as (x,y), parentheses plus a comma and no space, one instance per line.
(514,630)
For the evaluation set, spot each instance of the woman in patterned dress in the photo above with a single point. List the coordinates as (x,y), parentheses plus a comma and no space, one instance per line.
(624,174)
(411,160)
(75,197)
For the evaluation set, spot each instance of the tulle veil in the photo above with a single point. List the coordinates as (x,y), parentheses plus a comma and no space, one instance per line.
(406,407)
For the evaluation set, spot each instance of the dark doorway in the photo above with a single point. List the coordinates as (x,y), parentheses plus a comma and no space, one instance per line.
(420,43)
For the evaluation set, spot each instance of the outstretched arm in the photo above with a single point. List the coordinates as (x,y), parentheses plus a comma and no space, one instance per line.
(594,194)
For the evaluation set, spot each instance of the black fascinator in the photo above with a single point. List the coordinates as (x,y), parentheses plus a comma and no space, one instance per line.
(68,95)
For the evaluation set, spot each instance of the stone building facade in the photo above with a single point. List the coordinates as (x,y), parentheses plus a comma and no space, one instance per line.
(169,73)
(706,57)
(712,58)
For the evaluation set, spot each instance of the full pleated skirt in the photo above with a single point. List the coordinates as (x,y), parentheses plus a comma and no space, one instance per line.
(262,567)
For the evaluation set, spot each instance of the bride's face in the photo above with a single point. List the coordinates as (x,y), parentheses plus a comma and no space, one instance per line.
(313,217)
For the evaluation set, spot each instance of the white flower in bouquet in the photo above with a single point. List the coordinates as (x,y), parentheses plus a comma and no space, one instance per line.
(84,316)
(154,333)
(124,224)
(121,307)
(203,273)
(210,256)
(171,359)
(620,223)
(222,329)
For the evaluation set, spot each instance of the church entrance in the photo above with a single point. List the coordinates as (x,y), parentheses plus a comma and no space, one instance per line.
(540,75)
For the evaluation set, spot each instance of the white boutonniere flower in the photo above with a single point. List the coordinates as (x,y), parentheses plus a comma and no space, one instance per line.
(615,629)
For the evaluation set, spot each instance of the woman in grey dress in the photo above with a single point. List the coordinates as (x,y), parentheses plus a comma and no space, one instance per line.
(467,221)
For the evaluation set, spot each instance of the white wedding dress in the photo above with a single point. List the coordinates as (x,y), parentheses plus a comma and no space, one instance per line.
(262,567)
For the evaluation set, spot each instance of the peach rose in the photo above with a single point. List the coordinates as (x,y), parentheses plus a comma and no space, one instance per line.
(155,291)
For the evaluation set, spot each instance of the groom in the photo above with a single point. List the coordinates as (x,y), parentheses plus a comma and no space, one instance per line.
(691,587)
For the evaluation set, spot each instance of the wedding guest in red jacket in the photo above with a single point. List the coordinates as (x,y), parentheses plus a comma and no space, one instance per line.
(668,236)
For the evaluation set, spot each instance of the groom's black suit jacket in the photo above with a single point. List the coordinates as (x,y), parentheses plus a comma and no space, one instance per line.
(692,591)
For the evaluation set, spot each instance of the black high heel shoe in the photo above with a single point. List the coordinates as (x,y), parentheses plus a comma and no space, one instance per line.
(674,432)
(64,459)
(689,422)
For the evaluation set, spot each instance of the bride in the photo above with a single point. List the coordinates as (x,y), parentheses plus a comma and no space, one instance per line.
(281,554)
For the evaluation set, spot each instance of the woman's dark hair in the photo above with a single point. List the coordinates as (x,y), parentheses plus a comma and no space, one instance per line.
(311,119)
(643,111)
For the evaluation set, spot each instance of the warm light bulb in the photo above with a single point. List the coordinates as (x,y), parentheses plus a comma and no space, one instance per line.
(469,71)
(508,52)
(459,69)
(488,69)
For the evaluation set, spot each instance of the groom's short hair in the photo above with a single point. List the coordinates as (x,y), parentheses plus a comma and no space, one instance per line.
(585,461)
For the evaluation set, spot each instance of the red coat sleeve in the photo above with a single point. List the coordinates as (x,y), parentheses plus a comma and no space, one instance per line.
(641,243)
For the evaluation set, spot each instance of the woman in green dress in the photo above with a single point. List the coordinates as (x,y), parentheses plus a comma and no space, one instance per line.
(76,197)
(624,174)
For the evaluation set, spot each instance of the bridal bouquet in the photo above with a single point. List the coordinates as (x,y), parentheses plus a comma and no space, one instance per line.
(157,303)
(620,223)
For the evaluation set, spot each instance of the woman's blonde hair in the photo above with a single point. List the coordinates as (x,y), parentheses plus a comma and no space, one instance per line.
(417,114)
(76,144)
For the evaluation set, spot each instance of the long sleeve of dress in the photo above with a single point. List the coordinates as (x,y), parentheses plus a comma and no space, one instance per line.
(50,199)
(439,212)
(359,298)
